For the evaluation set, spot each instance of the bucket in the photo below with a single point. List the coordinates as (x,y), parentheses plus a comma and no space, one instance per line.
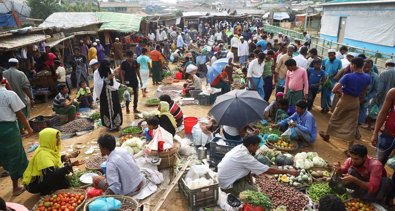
(202,153)
(179,75)
(189,122)
(250,207)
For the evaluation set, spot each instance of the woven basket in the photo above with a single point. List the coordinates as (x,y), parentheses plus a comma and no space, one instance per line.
(74,191)
(39,123)
(294,148)
(169,158)
(98,159)
(125,200)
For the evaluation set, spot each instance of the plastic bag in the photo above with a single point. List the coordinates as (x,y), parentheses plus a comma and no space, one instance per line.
(105,204)
(290,134)
(93,192)
(374,111)
(161,135)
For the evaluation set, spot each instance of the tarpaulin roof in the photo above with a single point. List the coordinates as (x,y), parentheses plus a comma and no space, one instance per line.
(13,42)
(280,16)
(112,21)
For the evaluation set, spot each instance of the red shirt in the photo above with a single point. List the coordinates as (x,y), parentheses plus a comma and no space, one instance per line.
(372,171)
(156,56)
(223,75)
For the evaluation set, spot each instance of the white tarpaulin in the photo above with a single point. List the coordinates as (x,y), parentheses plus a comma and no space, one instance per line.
(376,30)
(280,16)
(329,25)
(70,20)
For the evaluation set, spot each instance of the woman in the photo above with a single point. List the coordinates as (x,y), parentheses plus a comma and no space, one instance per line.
(175,109)
(12,154)
(46,172)
(145,68)
(10,206)
(166,119)
(110,107)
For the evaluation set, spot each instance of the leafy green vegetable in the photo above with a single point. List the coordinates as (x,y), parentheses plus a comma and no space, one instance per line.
(95,116)
(256,199)
(152,101)
(74,179)
(268,130)
(132,130)
(317,190)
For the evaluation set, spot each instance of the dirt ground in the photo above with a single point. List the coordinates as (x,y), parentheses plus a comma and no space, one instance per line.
(332,151)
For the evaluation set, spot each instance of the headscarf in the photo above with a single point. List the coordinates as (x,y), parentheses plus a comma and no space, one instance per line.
(47,155)
(165,110)
(104,69)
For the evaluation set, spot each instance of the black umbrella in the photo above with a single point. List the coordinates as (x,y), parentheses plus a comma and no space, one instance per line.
(238,108)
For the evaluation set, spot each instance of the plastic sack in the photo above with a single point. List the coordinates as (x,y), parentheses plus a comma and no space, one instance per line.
(290,134)
(198,137)
(391,162)
(161,135)
(153,175)
(105,204)
(197,171)
(93,192)
(374,111)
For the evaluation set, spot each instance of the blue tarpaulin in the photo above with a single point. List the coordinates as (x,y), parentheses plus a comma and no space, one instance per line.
(7,20)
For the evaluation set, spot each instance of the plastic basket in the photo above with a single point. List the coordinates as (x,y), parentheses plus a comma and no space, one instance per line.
(207,99)
(41,122)
(199,198)
(128,203)
(217,152)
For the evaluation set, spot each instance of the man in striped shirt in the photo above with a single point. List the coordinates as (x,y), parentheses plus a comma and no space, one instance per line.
(175,110)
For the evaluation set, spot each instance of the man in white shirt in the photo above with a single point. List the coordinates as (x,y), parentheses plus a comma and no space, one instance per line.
(151,37)
(218,36)
(300,59)
(242,51)
(60,72)
(342,52)
(180,41)
(230,54)
(234,43)
(163,35)
(254,74)
(236,168)
(347,60)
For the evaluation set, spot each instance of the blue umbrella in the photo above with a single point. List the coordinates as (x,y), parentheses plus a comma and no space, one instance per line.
(238,108)
(216,69)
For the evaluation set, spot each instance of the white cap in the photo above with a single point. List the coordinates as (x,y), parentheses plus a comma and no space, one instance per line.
(191,68)
(390,61)
(93,62)
(331,51)
(94,44)
(352,54)
(13,60)
(116,38)
(97,40)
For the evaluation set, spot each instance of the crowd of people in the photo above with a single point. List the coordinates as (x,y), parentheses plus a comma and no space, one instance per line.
(349,84)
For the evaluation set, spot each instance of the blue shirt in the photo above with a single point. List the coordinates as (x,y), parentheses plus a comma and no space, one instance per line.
(305,123)
(314,76)
(354,83)
(262,43)
(373,85)
(331,67)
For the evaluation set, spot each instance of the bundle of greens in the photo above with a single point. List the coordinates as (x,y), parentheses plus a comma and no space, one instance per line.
(256,198)
(131,130)
(74,179)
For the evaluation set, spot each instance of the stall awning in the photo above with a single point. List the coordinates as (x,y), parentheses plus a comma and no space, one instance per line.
(120,22)
(85,33)
(266,15)
(280,16)
(13,42)
(55,42)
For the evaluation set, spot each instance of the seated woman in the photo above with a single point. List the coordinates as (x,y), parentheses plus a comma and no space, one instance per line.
(152,125)
(166,120)
(63,104)
(223,80)
(84,96)
(47,169)
(281,112)
(175,110)
(10,206)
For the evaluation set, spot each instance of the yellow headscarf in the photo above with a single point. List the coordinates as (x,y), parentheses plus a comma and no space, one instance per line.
(164,110)
(46,155)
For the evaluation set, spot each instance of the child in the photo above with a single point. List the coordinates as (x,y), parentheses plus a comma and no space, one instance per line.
(281,112)
(127,97)
(84,96)
(63,104)
(153,124)
(316,78)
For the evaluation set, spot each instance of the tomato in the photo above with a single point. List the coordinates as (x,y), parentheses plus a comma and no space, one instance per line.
(79,202)
(41,208)
(71,208)
(82,197)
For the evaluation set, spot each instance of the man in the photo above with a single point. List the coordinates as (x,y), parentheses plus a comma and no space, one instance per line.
(300,59)
(84,48)
(372,90)
(313,54)
(20,85)
(123,176)
(118,52)
(180,41)
(63,104)
(92,52)
(346,61)
(331,65)
(151,37)
(344,120)
(79,67)
(364,175)
(129,74)
(163,35)
(302,123)
(242,51)
(156,58)
(60,73)
(281,69)
(296,83)
(271,109)
(101,52)
(268,75)
(387,81)
(234,43)
(236,168)
(254,74)
(342,52)
(262,42)
(307,40)
(385,141)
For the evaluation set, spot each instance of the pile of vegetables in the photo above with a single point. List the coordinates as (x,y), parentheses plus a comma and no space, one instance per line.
(131,130)
(276,157)
(318,190)
(74,179)
(152,102)
(60,201)
(150,114)
(308,160)
(256,198)
(283,144)
(302,180)
(319,175)
(133,145)
(265,129)
(95,116)
(356,205)
(282,195)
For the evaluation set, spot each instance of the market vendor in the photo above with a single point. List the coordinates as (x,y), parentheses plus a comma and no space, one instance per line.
(365,175)
(166,119)
(47,170)
(84,96)
(63,104)
(123,176)
(152,125)
(239,164)
(233,133)
(270,111)
(223,80)
(175,109)
(303,123)
(193,82)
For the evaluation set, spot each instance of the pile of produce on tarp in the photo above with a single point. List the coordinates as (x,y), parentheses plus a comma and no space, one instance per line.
(133,145)
(308,160)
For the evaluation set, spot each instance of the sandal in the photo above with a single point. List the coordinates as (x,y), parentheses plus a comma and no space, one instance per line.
(324,137)
(19,192)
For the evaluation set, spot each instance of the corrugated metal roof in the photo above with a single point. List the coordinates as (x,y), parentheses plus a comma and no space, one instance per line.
(344,2)
(121,22)
(13,42)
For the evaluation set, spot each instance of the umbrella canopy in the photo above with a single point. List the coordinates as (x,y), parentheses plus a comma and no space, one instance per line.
(238,108)
(216,69)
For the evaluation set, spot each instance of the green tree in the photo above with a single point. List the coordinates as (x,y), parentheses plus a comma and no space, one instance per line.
(43,8)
